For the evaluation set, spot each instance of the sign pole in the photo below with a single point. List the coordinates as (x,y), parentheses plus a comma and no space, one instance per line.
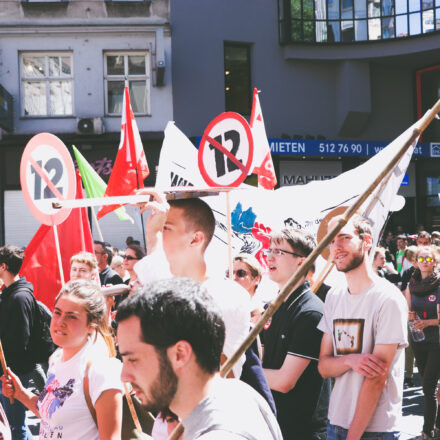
(323,275)
(97,224)
(57,245)
(4,367)
(229,225)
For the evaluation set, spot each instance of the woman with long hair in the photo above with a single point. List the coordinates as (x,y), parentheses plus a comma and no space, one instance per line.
(78,317)
(423,296)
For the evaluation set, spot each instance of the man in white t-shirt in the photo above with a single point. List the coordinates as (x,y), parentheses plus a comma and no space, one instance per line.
(365,333)
(178,234)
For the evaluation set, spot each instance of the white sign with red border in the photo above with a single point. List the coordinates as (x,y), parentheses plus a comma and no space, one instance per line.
(226,151)
(47,174)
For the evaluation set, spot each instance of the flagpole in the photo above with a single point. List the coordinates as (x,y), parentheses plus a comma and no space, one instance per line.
(323,275)
(229,226)
(101,238)
(4,367)
(134,158)
(57,245)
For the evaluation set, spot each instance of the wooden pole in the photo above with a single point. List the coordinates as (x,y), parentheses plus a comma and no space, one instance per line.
(418,128)
(57,245)
(4,367)
(101,238)
(229,226)
(134,416)
(323,275)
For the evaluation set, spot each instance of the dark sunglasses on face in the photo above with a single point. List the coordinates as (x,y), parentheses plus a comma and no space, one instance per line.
(129,258)
(240,273)
(422,259)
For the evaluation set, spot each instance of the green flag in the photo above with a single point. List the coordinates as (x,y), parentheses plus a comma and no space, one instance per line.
(93,183)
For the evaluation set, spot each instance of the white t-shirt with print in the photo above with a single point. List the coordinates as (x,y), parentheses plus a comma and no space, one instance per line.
(62,406)
(356,324)
(232,299)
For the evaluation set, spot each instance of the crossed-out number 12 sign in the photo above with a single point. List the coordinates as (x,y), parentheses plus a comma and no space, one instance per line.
(47,174)
(226,150)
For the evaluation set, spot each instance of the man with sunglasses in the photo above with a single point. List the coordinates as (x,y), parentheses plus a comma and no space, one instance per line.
(291,339)
(365,333)
(104,257)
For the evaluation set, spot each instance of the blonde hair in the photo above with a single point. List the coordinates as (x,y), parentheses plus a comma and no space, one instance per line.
(251,262)
(93,301)
(85,258)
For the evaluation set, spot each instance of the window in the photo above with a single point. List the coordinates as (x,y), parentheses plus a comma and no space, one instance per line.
(428,91)
(133,67)
(339,21)
(47,84)
(238,78)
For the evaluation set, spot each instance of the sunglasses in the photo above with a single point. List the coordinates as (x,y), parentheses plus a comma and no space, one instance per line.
(129,258)
(422,259)
(240,273)
(276,251)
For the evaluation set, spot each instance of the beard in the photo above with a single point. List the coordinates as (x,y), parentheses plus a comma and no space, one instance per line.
(356,260)
(164,387)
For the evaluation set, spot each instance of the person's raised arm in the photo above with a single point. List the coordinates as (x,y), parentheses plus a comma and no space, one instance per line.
(370,392)
(156,221)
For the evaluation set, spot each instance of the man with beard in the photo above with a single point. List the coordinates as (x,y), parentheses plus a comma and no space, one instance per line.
(171,337)
(365,333)
(291,340)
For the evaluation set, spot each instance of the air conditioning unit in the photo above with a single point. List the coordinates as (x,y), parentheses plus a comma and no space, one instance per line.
(90,125)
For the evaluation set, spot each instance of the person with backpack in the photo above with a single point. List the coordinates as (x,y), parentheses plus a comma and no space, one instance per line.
(17,316)
(82,398)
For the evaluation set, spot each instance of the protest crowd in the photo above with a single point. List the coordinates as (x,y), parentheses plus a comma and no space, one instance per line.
(148,341)
(329,363)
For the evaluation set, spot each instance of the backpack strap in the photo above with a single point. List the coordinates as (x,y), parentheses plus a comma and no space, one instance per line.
(86,388)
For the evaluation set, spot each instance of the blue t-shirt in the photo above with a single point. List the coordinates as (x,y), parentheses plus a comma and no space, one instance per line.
(426,308)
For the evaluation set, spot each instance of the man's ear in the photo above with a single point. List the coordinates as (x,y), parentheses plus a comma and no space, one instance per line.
(180,354)
(198,238)
(367,242)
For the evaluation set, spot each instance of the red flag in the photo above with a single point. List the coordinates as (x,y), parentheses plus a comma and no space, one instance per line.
(40,265)
(262,164)
(131,167)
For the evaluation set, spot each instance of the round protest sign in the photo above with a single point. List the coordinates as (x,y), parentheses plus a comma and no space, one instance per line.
(226,151)
(47,174)
(323,227)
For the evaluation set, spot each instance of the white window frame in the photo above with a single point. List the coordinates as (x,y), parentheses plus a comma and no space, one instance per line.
(46,80)
(147,77)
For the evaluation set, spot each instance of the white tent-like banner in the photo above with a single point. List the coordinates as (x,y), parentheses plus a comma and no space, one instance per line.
(255,212)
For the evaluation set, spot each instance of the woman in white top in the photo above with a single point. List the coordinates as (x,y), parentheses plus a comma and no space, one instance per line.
(77,318)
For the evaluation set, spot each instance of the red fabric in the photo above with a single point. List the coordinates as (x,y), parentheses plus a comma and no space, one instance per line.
(40,265)
(131,167)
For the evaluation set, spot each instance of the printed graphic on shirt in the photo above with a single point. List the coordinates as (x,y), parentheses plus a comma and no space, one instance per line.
(54,396)
(348,335)
(432,298)
(267,325)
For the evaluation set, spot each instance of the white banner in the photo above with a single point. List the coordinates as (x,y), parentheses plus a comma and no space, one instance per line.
(256,212)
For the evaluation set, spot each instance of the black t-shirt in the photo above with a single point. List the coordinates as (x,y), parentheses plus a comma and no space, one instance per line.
(109,276)
(293,331)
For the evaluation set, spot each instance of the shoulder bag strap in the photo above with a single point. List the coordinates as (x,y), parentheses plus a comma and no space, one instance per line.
(86,389)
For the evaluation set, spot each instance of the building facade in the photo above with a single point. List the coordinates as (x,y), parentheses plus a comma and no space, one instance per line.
(63,65)
(338,79)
